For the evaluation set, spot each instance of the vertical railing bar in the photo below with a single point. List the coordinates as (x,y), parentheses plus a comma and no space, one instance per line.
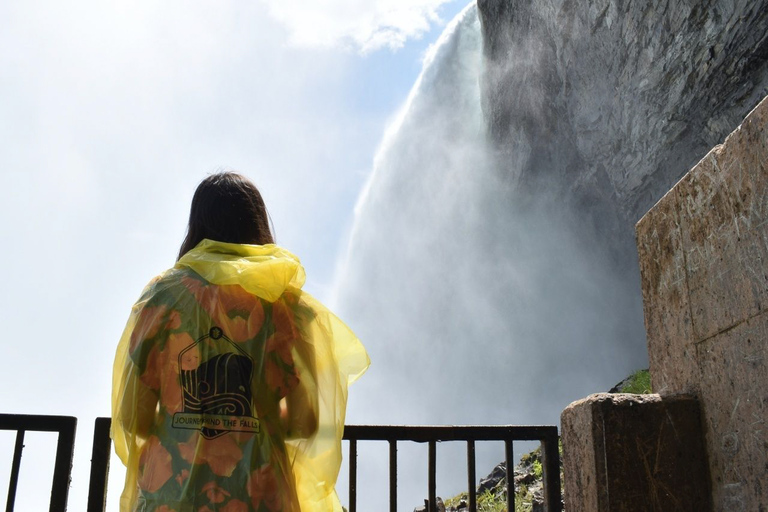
(15,470)
(432,476)
(65,450)
(97,490)
(510,463)
(393,475)
(550,454)
(353,475)
(471,478)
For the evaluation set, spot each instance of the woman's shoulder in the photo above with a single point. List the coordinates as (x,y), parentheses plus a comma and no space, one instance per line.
(170,285)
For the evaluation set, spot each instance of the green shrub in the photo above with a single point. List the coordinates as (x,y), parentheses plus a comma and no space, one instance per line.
(537,470)
(639,383)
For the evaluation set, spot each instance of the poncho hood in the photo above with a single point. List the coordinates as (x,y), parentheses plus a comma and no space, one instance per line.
(266,271)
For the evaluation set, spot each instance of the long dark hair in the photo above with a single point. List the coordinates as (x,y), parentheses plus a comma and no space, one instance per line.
(227,207)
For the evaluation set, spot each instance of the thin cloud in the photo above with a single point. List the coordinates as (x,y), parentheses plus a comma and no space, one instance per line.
(356,24)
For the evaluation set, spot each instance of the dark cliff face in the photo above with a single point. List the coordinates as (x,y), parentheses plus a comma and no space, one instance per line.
(606,104)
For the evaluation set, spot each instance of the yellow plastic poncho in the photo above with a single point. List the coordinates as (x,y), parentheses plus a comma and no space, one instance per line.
(230,387)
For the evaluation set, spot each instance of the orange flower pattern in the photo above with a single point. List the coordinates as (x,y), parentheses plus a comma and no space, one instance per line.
(244,470)
(281,371)
(264,490)
(182,477)
(154,465)
(221,454)
(148,325)
(215,493)
(238,314)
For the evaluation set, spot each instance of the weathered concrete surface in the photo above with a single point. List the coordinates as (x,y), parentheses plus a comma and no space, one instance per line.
(580,479)
(626,453)
(704,264)
(665,299)
(734,366)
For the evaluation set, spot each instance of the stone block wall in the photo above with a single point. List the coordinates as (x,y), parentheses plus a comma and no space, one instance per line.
(634,453)
(704,263)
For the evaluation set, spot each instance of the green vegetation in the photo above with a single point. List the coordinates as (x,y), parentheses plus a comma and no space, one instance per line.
(638,383)
(496,500)
(537,471)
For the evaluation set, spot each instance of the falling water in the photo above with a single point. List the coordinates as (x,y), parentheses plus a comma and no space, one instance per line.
(474,310)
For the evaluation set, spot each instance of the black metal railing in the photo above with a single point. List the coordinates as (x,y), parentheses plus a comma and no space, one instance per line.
(65,426)
(432,435)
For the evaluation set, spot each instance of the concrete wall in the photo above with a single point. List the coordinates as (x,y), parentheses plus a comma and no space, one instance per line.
(704,263)
(634,453)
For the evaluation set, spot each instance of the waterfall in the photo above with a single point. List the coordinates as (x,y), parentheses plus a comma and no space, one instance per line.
(457,293)
(475,310)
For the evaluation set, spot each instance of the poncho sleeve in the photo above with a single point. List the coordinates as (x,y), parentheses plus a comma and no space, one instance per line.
(339,359)
(133,401)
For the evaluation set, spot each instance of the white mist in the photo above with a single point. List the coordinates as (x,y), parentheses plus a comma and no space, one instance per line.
(474,310)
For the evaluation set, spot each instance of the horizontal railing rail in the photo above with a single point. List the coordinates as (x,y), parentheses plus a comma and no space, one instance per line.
(65,426)
(432,435)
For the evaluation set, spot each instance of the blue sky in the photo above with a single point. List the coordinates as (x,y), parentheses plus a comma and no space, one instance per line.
(112,112)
